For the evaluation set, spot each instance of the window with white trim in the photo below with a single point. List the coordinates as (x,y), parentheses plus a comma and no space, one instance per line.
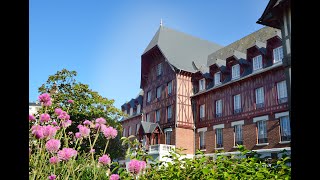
(285,129)
(259,97)
(202,111)
(131,111)
(138,108)
(238,135)
(168,133)
(217,77)
(277,54)
(219,137)
(149,96)
(262,131)
(257,62)
(218,108)
(159,69)
(282,92)
(124,132)
(202,84)
(237,103)
(158,115)
(159,92)
(169,113)
(235,71)
(148,117)
(169,88)
(202,140)
(137,128)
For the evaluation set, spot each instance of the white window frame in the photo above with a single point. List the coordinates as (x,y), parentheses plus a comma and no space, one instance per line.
(129,131)
(131,111)
(149,94)
(235,71)
(238,133)
(257,63)
(262,130)
(169,112)
(277,54)
(168,138)
(219,107)
(237,102)
(202,84)
(124,132)
(202,140)
(158,92)
(219,137)
(159,69)
(259,95)
(148,117)
(137,128)
(169,88)
(285,123)
(138,108)
(158,115)
(202,111)
(282,89)
(217,78)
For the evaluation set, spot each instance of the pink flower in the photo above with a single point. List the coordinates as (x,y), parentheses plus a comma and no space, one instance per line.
(92,150)
(87,122)
(45,99)
(70,101)
(101,121)
(110,132)
(53,145)
(52,177)
(37,130)
(54,123)
(66,153)
(31,117)
(63,115)
(44,117)
(114,177)
(58,111)
(136,166)
(84,131)
(49,131)
(66,124)
(54,160)
(70,132)
(78,135)
(105,159)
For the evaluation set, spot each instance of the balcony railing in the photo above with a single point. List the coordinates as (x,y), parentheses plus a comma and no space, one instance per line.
(237,111)
(282,100)
(161,148)
(218,115)
(260,105)
(262,140)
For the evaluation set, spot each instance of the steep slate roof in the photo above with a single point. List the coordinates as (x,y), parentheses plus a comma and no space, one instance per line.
(181,49)
(149,127)
(255,38)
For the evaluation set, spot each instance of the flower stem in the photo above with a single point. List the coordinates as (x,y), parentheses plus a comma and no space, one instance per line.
(105,148)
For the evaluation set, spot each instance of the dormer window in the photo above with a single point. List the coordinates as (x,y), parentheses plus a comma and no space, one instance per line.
(257,62)
(277,54)
(217,78)
(235,71)
(202,84)
(159,69)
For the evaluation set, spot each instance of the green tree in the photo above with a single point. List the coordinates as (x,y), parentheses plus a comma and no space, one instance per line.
(87,105)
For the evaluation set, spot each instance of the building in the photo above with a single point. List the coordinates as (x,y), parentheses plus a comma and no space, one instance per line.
(34,107)
(199,95)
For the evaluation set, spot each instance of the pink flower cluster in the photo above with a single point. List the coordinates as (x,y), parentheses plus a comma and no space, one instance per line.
(66,123)
(62,114)
(70,101)
(53,145)
(66,153)
(83,131)
(136,166)
(105,159)
(114,177)
(52,177)
(44,131)
(110,132)
(44,117)
(45,99)
(87,123)
(31,117)
(101,121)
(54,160)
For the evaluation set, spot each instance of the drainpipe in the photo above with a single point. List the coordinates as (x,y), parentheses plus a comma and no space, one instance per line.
(193,105)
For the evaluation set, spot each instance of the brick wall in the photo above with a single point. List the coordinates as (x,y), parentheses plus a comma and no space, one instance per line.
(184,139)
(132,122)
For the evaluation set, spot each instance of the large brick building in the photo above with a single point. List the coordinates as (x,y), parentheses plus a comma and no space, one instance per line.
(199,95)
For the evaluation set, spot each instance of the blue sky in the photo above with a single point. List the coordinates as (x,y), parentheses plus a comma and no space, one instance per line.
(103,40)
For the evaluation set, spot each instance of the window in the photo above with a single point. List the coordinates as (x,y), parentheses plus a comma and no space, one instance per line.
(277,54)
(138,108)
(202,83)
(159,69)
(202,140)
(131,111)
(169,113)
(259,98)
(262,132)
(236,104)
(235,71)
(148,117)
(217,78)
(238,135)
(168,133)
(158,115)
(149,96)
(219,138)
(219,108)
(202,111)
(124,132)
(158,92)
(169,88)
(285,128)
(137,128)
(282,92)
(257,62)
(129,133)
